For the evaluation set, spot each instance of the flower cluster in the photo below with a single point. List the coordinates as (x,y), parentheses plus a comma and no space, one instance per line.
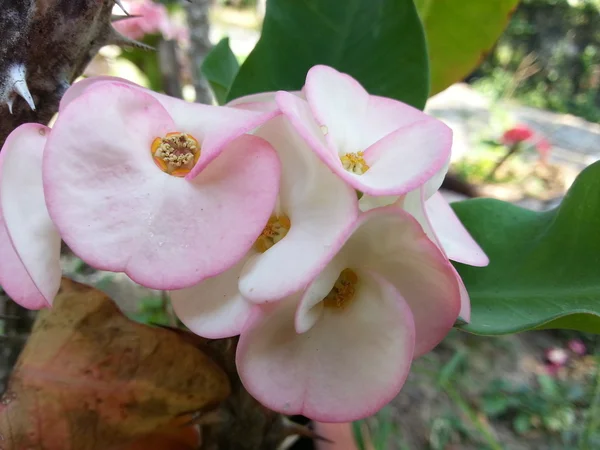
(308,223)
(147,17)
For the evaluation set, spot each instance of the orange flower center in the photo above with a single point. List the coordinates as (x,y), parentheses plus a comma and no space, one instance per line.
(176,153)
(343,290)
(276,229)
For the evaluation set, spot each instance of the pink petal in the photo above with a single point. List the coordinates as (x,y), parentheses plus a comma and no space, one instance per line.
(119,212)
(320,206)
(390,242)
(385,115)
(355,120)
(264,101)
(81,86)
(214,308)
(300,116)
(213,126)
(405,159)
(456,241)
(339,103)
(413,203)
(33,236)
(399,163)
(346,367)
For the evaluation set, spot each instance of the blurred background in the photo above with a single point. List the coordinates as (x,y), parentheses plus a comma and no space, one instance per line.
(525,124)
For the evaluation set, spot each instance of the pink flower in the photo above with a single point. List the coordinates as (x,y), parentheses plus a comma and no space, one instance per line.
(516,134)
(577,347)
(376,145)
(342,348)
(543,146)
(313,212)
(168,192)
(429,207)
(29,243)
(154,19)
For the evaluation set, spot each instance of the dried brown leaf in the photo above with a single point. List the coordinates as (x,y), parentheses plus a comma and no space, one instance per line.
(91,379)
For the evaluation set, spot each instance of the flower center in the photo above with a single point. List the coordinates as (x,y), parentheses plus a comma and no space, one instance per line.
(176,153)
(343,290)
(276,229)
(355,163)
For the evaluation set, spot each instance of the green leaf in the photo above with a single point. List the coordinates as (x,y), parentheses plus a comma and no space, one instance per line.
(522,423)
(381,43)
(220,68)
(459,35)
(548,387)
(544,267)
(359,439)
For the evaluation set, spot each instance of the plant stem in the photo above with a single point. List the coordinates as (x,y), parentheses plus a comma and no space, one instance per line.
(511,151)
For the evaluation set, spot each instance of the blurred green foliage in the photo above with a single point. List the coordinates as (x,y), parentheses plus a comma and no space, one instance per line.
(549,57)
(565,408)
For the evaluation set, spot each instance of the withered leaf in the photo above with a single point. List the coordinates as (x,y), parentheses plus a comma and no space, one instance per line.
(175,436)
(91,379)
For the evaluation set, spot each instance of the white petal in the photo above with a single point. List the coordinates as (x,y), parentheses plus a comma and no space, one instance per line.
(340,104)
(214,308)
(456,241)
(310,308)
(14,278)
(320,206)
(368,202)
(34,237)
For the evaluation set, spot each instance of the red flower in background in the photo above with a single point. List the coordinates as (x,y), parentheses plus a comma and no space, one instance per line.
(516,134)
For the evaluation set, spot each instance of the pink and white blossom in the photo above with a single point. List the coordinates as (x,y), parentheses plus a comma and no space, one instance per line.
(342,348)
(313,212)
(377,145)
(127,198)
(148,17)
(30,270)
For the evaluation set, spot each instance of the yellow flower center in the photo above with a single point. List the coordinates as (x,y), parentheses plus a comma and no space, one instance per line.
(355,163)
(176,153)
(343,290)
(276,229)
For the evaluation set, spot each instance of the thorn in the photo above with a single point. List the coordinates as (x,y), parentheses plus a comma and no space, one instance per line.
(9,102)
(21,88)
(120,5)
(17,75)
(115,18)
(116,38)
